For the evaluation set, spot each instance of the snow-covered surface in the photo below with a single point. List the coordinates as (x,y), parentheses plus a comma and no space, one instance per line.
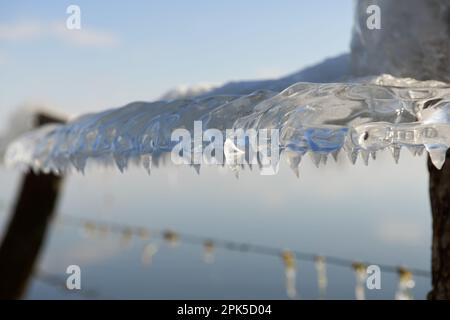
(334,69)
(185,91)
(19,124)
(22,121)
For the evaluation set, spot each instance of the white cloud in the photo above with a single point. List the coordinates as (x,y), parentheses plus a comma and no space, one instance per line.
(31,30)
(20,31)
(84,37)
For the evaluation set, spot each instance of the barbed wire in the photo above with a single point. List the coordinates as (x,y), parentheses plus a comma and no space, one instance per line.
(289,257)
(213,242)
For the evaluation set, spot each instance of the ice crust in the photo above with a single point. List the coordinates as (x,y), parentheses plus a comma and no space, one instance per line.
(361,118)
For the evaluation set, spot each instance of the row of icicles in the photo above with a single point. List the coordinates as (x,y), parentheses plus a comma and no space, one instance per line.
(293,160)
(322,158)
(288,258)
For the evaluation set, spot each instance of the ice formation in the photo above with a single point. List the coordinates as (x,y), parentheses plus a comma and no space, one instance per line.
(22,121)
(361,118)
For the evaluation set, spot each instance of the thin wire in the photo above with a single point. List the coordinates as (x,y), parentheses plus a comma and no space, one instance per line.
(235,245)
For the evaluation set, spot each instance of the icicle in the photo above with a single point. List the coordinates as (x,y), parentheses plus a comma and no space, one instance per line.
(437,155)
(148,253)
(322,281)
(361,275)
(146,160)
(335,155)
(78,162)
(315,157)
(236,171)
(324,158)
(196,168)
(352,155)
(290,271)
(294,159)
(405,285)
(420,150)
(365,156)
(171,238)
(156,160)
(208,252)
(121,162)
(374,155)
(395,150)
(233,156)
(413,150)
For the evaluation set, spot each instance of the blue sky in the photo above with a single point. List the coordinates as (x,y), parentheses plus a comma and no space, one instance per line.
(136,50)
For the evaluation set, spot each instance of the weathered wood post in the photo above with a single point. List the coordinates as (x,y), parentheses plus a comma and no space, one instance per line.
(440,205)
(27,228)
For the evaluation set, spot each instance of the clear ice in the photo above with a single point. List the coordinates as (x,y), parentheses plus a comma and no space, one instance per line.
(360,117)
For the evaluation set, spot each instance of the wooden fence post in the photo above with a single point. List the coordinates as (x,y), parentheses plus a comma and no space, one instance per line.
(25,234)
(440,250)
